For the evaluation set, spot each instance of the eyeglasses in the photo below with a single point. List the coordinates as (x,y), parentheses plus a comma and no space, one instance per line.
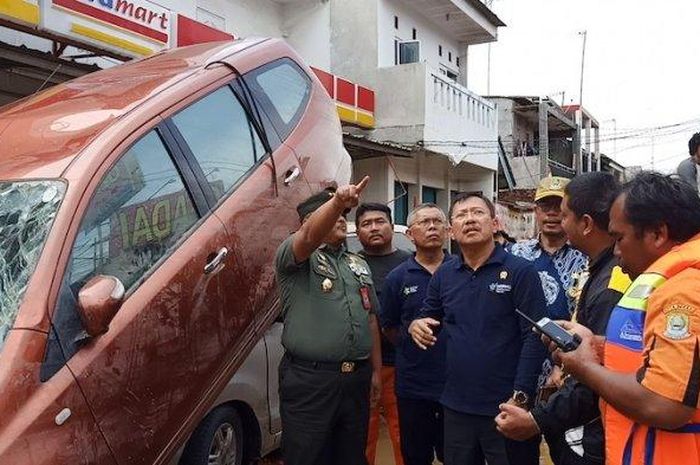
(426,222)
(463,215)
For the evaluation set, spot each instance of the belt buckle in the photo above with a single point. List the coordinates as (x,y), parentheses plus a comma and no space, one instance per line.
(347,367)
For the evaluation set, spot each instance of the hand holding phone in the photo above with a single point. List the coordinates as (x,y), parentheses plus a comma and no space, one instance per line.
(558,335)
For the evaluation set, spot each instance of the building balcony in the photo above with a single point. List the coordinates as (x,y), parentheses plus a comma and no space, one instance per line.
(415,104)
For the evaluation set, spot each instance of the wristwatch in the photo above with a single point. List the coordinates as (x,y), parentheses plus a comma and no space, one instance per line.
(521,398)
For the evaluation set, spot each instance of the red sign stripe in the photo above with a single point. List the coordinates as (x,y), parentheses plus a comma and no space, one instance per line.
(111,18)
(345,91)
(191,32)
(365,99)
(326,79)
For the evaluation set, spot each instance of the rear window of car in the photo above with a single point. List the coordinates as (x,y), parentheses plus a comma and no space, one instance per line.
(284,89)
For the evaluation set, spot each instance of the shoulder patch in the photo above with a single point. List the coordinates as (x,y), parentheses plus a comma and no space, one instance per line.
(678,321)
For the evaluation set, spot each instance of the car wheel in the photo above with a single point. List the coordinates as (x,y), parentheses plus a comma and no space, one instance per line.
(217,440)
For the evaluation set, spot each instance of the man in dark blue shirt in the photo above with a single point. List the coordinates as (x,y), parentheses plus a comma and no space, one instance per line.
(492,354)
(420,375)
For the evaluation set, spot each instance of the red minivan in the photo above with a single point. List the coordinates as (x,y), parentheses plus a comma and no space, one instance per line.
(140,210)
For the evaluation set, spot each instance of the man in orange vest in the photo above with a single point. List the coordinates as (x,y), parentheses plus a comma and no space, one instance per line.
(647,368)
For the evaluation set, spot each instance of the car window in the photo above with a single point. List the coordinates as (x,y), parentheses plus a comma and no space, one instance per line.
(284,87)
(221,138)
(136,216)
(138,212)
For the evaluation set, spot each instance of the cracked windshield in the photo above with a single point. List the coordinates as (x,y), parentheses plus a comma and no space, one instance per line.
(27,211)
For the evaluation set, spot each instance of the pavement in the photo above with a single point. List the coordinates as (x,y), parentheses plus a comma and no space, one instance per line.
(385,455)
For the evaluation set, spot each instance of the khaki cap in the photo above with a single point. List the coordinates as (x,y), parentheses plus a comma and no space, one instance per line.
(551,186)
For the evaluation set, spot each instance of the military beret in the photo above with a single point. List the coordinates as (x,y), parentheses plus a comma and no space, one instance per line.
(311,204)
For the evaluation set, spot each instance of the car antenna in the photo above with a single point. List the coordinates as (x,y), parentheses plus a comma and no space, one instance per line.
(41,87)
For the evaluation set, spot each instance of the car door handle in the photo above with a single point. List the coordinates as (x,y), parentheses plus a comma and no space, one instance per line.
(218,259)
(291,175)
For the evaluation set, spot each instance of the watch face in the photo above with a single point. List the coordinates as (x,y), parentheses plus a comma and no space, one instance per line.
(520,397)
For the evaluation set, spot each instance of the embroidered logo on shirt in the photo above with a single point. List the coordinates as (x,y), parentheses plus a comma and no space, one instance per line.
(678,321)
(631,332)
(499,288)
(408,290)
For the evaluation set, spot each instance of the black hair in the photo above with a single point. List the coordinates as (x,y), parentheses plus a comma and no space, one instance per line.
(371,207)
(653,199)
(468,195)
(693,144)
(593,194)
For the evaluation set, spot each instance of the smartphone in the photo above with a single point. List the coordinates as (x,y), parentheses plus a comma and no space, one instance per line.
(561,337)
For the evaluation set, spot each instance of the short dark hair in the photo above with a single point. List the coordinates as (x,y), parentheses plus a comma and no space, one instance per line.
(694,143)
(653,199)
(468,195)
(593,194)
(371,207)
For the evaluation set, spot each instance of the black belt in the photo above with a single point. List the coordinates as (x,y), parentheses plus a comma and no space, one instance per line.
(343,367)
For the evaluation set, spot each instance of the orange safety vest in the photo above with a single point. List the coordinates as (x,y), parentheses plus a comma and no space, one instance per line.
(627,442)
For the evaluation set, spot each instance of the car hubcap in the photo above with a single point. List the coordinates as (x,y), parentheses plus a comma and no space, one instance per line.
(224,446)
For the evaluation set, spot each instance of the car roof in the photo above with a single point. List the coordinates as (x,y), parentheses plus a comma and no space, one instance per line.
(41,134)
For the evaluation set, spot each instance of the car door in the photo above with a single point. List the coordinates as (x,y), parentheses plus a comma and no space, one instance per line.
(147,225)
(255,196)
(304,118)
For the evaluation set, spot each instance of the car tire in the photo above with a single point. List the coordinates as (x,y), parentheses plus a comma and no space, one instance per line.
(217,440)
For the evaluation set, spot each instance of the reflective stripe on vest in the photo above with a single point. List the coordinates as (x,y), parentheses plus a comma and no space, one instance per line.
(623,353)
(650,442)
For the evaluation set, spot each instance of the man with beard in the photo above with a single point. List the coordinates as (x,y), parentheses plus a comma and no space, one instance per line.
(420,375)
(647,369)
(586,214)
(492,354)
(375,230)
(330,336)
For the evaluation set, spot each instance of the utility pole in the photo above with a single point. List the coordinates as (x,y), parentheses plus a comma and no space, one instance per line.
(583,56)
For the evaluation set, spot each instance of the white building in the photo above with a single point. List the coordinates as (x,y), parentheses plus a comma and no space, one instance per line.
(397,69)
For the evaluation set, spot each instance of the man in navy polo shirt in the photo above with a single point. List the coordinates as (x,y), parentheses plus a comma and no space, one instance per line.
(420,375)
(492,354)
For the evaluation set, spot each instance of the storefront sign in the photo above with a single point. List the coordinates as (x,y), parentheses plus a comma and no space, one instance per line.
(25,12)
(128,27)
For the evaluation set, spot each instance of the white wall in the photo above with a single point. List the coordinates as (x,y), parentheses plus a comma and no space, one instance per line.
(243,18)
(427,33)
(354,40)
(306,26)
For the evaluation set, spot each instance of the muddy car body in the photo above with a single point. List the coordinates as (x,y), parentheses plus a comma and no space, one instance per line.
(178,176)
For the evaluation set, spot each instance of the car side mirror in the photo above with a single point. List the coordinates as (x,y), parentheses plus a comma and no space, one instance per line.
(98,302)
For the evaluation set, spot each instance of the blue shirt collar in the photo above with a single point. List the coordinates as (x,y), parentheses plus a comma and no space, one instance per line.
(498,257)
(413,265)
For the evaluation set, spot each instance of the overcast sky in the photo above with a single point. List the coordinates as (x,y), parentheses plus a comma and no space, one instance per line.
(642,67)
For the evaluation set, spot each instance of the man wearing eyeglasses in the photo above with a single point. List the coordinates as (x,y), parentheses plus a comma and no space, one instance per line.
(420,374)
(492,355)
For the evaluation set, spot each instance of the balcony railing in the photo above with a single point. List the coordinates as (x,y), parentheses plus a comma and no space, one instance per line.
(454,98)
(416,104)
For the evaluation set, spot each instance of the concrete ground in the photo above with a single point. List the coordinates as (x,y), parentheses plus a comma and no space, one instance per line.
(385,454)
